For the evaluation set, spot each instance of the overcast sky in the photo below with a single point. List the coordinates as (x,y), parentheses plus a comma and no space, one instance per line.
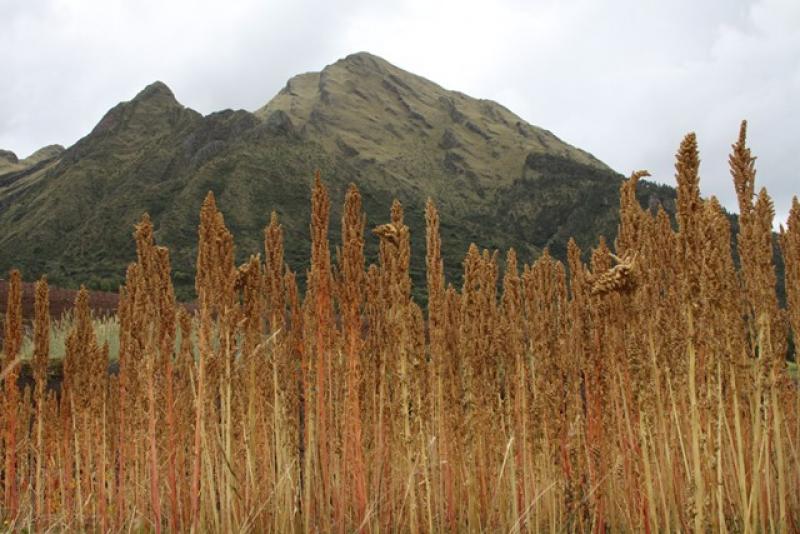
(624,80)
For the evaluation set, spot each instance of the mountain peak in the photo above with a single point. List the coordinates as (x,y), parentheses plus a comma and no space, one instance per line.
(363,105)
(8,156)
(361,56)
(154,108)
(364,59)
(157,89)
(46,152)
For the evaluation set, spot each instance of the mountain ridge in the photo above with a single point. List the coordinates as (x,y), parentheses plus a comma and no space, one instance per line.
(497,180)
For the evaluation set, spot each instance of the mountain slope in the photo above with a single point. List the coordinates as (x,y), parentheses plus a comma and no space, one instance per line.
(376,114)
(497,180)
(16,174)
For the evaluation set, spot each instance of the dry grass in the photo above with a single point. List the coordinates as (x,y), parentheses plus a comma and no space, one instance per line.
(646,391)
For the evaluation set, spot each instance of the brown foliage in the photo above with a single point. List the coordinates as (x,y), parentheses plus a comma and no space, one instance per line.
(646,391)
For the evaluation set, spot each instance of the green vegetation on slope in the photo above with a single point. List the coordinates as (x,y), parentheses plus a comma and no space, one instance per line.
(498,181)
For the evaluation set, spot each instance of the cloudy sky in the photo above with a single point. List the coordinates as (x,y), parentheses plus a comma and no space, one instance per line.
(624,79)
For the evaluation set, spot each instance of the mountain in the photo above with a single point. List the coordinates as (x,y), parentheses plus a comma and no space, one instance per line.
(497,180)
(13,170)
